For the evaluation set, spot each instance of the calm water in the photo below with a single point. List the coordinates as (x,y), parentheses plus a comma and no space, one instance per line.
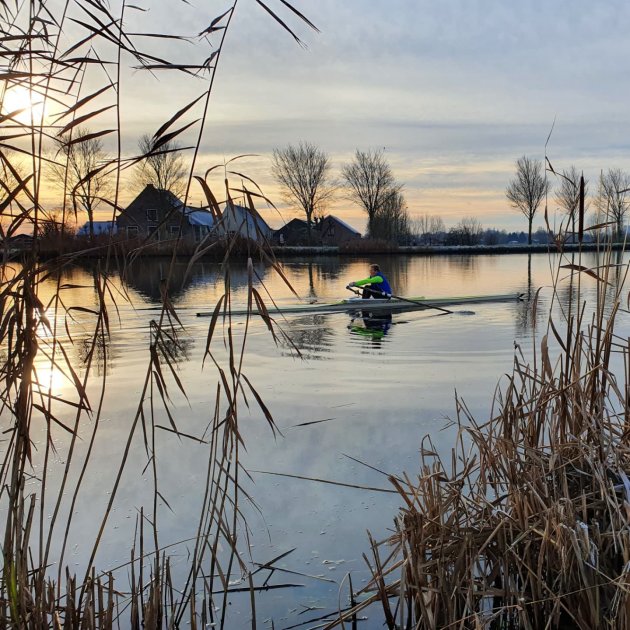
(355,394)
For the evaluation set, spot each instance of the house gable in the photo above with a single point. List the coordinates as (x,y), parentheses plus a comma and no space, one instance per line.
(158,213)
(248,223)
(334,231)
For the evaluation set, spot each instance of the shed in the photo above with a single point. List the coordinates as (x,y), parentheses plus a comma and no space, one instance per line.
(295,232)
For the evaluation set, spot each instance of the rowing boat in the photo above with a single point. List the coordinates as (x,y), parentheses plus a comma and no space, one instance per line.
(358,304)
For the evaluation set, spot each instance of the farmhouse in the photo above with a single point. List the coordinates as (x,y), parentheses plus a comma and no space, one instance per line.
(327,231)
(160,215)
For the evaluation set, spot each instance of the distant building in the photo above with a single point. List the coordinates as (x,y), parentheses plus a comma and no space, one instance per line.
(330,230)
(18,242)
(295,232)
(334,231)
(159,214)
(99,227)
(245,222)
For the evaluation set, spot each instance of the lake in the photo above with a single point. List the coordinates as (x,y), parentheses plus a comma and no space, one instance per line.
(353,402)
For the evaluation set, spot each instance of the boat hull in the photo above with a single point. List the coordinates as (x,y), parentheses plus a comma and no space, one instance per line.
(357,304)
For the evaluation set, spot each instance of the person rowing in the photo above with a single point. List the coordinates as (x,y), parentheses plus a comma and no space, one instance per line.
(375,286)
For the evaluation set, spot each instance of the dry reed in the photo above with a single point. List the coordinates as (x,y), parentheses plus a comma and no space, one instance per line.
(70,56)
(527,523)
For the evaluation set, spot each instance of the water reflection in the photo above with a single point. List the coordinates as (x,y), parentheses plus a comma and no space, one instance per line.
(324,279)
(371,326)
(312,335)
(375,410)
(530,310)
(146,275)
(169,344)
(621,270)
(467,266)
(313,278)
(97,353)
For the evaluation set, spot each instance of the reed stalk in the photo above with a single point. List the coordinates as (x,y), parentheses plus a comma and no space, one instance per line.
(74,57)
(526,524)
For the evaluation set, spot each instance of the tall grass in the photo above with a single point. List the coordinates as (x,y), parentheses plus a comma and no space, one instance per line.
(73,57)
(527,523)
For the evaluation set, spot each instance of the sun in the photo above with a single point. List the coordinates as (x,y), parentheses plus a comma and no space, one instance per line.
(28,103)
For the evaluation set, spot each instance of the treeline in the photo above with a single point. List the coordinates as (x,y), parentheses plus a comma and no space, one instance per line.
(429,230)
(533,183)
(304,174)
(83,171)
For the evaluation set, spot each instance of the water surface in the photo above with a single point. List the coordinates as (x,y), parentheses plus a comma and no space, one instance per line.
(353,405)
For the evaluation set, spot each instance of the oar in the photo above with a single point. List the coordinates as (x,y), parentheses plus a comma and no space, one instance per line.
(402,299)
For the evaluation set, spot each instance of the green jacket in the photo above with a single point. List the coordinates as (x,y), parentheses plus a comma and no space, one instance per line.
(377,279)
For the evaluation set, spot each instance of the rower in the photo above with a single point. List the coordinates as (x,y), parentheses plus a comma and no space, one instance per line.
(376,285)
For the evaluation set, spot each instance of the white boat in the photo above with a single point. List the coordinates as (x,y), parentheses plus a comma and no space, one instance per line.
(359,304)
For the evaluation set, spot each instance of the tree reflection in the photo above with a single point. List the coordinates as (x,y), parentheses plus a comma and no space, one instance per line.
(170,346)
(145,277)
(96,353)
(310,335)
(311,283)
(465,265)
(529,314)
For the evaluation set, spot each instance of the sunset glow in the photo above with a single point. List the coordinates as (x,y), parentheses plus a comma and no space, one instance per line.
(25,105)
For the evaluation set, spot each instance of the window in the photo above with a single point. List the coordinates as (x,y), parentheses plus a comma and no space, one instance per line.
(152,231)
(132,231)
(200,232)
(174,230)
(152,214)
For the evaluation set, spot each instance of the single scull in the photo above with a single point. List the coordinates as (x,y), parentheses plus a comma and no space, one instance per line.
(358,304)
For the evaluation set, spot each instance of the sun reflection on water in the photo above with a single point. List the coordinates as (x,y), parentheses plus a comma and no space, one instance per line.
(49,379)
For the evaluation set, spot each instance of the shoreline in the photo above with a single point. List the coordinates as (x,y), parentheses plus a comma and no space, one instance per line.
(294,251)
(286,251)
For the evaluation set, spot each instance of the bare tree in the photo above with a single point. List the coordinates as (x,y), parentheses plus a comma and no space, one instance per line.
(391,221)
(568,194)
(467,232)
(164,167)
(54,226)
(370,181)
(611,200)
(427,227)
(527,189)
(79,169)
(303,171)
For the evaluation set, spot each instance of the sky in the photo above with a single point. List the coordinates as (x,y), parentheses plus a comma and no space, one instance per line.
(452,91)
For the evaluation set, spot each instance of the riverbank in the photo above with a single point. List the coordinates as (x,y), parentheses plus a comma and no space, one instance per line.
(441,250)
(242,251)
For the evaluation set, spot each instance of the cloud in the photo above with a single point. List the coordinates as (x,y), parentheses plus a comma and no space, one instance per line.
(454,91)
